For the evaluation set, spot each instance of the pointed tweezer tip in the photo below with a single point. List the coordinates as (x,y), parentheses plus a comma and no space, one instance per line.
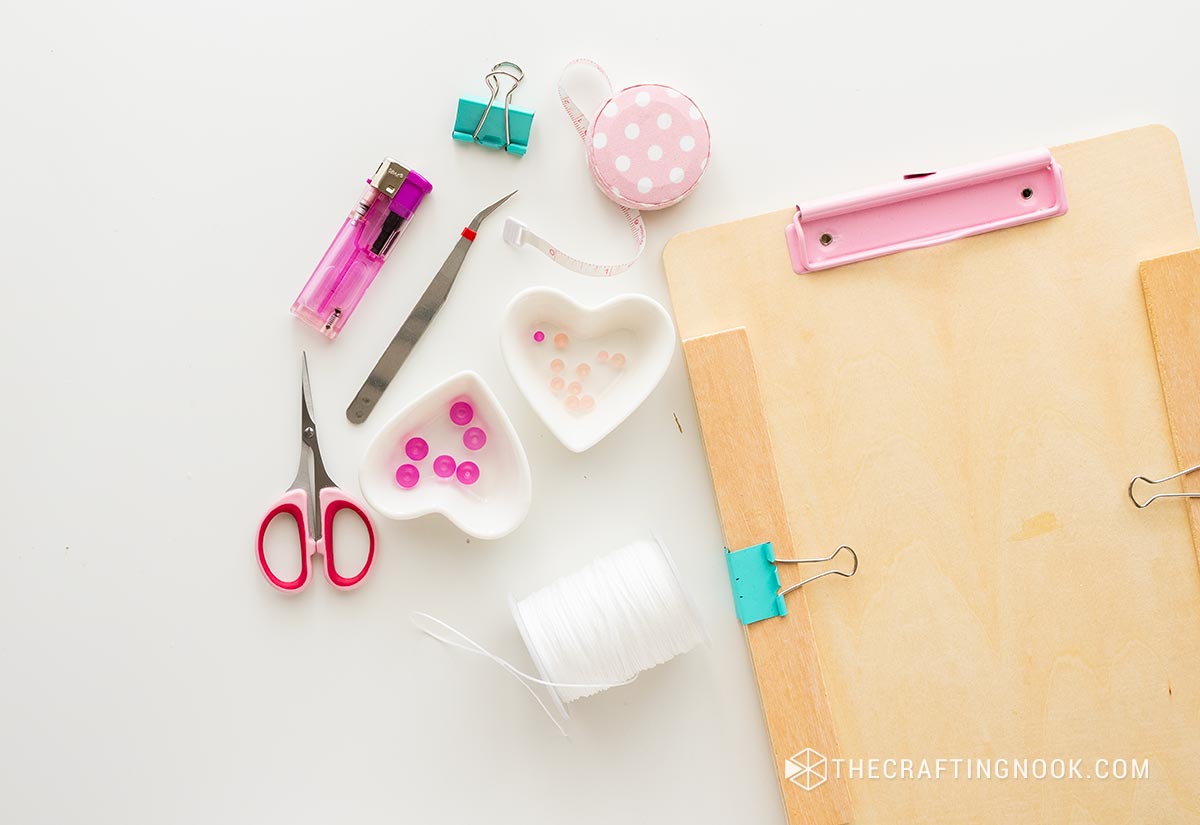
(482,216)
(500,202)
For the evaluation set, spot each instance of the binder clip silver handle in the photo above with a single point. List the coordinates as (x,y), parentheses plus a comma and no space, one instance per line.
(834,572)
(492,78)
(1155,481)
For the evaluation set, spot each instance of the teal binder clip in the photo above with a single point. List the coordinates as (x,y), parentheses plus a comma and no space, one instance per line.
(757,593)
(480,121)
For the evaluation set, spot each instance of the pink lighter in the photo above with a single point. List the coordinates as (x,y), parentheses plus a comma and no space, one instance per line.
(353,260)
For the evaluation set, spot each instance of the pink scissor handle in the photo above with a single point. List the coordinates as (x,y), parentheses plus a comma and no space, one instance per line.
(295,504)
(333,501)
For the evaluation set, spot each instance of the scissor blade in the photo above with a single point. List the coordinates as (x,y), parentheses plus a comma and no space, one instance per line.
(307,427)
(482,216)
(312,476)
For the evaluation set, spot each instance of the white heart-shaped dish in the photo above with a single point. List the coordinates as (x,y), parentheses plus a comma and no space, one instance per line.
(482,485)
(583,369)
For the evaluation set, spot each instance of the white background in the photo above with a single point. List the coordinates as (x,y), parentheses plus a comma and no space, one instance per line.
(169,176)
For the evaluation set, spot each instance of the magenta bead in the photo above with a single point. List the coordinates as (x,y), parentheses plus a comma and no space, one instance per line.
(468,472)
(416,448)
(539,336)
(408,476)
(461,413)
(474,438)
(444,466)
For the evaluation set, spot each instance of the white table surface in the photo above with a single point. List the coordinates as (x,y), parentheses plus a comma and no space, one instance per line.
(169,176)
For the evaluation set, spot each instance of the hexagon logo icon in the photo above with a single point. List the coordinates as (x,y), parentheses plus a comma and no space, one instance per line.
(806,769)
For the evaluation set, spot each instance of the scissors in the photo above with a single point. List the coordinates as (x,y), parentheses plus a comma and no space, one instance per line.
(313,500)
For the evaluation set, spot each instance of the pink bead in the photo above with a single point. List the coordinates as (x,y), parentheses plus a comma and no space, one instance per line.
(575,388)
(602,356)
(416,448)
(474,438)
(618,360)
(561,340)
(572,402)
(539,336)
(557,365)
(583,370)
(407,476)
(586,402)
(557,384)
(468,472)
(444,466)
(461,413)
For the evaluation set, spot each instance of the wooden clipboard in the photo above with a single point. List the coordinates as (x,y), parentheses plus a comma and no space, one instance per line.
(968,417)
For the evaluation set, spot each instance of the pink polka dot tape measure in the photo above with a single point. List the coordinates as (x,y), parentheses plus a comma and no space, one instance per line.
(647,148)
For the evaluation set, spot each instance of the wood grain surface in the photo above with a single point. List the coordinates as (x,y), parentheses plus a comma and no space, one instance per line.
(968,417)
(786,662)
(1171,285)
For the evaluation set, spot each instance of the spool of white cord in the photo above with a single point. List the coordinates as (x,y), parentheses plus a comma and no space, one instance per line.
(601,626)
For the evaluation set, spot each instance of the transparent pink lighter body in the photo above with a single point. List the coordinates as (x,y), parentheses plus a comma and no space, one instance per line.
(358,251)
(347,269)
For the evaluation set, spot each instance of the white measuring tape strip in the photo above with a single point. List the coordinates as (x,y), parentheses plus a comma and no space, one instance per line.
(518,234)
(651,153)
(597,628)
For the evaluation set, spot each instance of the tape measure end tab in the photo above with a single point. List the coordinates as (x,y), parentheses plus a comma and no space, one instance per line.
(514,232)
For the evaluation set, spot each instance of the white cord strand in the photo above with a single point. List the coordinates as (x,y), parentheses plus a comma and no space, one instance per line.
(600,626)
(472,646)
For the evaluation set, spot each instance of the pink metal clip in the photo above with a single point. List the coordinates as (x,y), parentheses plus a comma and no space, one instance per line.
(926,210)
